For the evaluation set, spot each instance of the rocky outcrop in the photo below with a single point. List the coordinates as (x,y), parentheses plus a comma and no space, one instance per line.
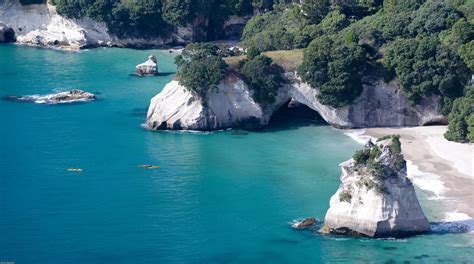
(148,68)
(6,34)
(40,25)
(231,105)
(304,223)
(375,197)
(72,96)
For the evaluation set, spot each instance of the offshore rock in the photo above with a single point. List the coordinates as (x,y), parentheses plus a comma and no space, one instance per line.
(375,197)
(148,68)
(72,96)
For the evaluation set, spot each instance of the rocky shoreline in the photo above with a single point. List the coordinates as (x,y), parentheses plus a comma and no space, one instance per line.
(232,106)
(41,25)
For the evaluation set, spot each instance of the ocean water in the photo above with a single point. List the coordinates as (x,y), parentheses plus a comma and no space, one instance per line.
(222,197)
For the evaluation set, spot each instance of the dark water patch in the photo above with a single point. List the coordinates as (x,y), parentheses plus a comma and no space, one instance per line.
(238,132)
(390,248)
(137,111)
(421,256)
(160,74)
(283,240)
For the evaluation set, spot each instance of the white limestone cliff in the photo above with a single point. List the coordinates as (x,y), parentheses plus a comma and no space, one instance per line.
(148,68)
(231,106)
(375,197)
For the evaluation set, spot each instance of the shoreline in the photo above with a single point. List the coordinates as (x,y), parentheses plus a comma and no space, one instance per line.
(441,168)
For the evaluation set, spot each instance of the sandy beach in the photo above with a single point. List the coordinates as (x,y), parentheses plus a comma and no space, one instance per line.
(442,168)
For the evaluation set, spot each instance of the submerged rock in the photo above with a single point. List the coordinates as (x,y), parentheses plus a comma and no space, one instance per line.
(148,68)
(304,223)
(6,34)
(375,197)
(74,95)
(232,106)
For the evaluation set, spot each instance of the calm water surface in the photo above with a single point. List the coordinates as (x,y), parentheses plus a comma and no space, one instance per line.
(224,197)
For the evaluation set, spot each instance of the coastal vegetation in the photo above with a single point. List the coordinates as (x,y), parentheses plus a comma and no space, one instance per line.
(200,67)
(461,118)
(263,77)
(427,46)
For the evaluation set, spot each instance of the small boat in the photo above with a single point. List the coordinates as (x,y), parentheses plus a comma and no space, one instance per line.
(148,166)
(75,169)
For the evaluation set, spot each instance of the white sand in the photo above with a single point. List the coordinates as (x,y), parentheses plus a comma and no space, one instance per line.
(441,168)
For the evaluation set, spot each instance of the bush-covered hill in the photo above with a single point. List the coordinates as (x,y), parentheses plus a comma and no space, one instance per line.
(427,45)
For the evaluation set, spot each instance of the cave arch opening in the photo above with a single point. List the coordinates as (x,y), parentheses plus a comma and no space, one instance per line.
(293,114)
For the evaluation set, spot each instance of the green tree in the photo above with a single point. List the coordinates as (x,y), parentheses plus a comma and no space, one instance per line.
(466,51)
(461,118)
(433,17)
(177,12)
(335,67)
(315,10)
(200,68)
(424,67)
(263,77)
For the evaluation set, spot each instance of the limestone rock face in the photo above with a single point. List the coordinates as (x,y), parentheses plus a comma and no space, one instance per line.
(232,106)
(6,34)
(175,107)
(375,197)
(148,68)
(41,25)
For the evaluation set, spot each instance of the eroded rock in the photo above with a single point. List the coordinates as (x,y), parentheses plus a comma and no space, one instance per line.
(375,197)
(148,68)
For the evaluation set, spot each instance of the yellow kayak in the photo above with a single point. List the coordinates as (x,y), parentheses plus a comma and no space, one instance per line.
(148,166)
(75,169)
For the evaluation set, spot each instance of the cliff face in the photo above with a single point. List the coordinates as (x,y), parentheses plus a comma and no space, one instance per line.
(232,105)
(41,25)
(375,197)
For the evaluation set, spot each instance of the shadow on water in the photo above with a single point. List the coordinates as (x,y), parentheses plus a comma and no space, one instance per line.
(137,111)
(293,115)
(160,74)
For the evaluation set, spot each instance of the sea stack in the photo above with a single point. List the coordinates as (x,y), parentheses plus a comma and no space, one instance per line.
(375,197)
(6,34)
(148,68)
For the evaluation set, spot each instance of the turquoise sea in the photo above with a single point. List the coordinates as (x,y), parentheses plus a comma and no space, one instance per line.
(222,197)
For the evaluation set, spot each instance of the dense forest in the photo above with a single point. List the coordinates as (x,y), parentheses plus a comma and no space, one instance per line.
(427,45)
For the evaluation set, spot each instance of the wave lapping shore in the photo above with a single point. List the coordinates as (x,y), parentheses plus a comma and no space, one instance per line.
(441,168)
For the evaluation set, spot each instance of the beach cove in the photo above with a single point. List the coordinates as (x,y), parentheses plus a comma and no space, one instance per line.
(226,196)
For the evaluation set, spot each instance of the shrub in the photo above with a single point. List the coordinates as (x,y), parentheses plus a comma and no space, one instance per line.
(345,196)
(263,77)
(425,67)
(466,52)
(335,67)
(361,156)
(433,17)
(461,118)
(200,67)
(252,52)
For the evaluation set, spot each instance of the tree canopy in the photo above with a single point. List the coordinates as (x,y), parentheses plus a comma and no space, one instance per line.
(200,68)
